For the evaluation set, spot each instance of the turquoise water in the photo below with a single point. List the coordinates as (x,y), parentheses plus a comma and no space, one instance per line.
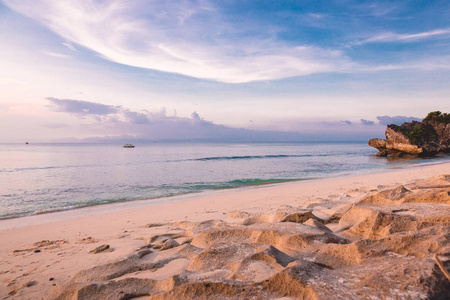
(40,178)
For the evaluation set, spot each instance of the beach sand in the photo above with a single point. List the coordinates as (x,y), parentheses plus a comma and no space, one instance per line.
(350,237)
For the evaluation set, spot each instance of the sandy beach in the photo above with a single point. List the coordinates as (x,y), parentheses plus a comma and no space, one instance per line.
(354,237)
(219,150)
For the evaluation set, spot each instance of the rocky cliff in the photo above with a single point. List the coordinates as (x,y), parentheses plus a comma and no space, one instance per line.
(423,139)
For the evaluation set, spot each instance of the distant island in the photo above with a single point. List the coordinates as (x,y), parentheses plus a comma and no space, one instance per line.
(420,139)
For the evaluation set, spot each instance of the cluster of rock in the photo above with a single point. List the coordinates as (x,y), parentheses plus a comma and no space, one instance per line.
(379,247)
(422,139)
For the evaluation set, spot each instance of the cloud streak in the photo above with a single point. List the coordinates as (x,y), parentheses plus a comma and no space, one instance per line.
(81,108)
(190,38)
(405,38)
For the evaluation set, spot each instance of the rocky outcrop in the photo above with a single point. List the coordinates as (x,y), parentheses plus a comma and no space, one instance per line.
(423,139)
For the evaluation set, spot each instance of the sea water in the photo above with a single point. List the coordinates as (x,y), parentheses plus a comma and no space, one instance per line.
(39,178)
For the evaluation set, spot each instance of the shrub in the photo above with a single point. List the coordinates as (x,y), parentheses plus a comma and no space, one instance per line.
(438,117)
(417,134)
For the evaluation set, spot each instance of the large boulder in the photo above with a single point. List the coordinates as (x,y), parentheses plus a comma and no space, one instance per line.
(426,138)
(443,132)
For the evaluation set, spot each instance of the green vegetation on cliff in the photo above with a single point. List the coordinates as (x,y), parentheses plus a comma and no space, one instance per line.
(438,117)
(417,134)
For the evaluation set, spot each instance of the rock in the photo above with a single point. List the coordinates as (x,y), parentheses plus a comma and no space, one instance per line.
(170,243)
(355,216)
(377,143)
(388,197)
(165,244)
(423,139)
(441,124)
(151,225)
(144,252)
(315,223)
(300,217)
(380,225)
(30,283)
(396,193)
(100,249)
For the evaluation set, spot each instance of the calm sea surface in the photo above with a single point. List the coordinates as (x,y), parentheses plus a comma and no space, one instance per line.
(40,178)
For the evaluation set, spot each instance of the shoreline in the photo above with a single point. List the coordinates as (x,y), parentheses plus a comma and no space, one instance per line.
(64,239)
(70,213)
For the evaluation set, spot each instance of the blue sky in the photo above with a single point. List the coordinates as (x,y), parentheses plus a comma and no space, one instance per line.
(249,70)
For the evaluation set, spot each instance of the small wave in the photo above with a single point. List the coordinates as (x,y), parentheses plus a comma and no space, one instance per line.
(254,181)
(26,169)
(44,168)
(204,186)
(34,169)
(71,206)
(243,157)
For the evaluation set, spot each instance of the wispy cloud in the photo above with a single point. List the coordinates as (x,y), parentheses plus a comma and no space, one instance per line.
(81,108)
(411,37)
(57,55)
(71,47)
(375,9)
(191,38)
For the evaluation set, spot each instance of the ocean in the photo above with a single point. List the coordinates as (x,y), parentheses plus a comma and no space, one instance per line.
(40,178)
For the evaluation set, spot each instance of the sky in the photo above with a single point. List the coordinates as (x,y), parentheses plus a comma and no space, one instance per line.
(223,70)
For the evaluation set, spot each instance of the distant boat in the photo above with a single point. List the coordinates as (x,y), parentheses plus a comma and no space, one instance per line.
(128,146)
(26,143)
